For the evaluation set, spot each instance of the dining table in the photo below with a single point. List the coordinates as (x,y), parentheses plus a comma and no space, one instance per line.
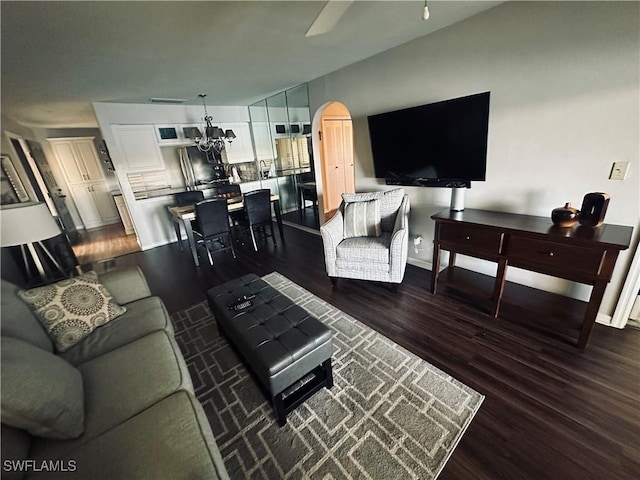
(184,214)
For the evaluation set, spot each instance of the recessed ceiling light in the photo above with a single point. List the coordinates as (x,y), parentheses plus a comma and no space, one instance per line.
(167,100)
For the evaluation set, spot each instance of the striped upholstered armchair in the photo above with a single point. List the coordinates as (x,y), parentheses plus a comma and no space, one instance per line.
(367,238)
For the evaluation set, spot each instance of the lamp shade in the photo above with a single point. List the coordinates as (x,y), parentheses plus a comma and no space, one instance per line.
(217,132)
(22,225)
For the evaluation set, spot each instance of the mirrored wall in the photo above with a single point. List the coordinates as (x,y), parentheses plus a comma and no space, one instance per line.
(281,129)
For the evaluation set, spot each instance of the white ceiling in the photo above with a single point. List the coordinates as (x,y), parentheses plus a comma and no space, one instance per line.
(58,57)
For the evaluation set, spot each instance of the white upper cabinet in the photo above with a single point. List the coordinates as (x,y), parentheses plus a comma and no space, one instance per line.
(180,135)
(139,147)
(263,141)
(241,149)
(78,159)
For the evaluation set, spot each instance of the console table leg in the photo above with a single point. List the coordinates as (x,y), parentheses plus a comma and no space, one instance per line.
(435,267)
(590,315)
(498,288)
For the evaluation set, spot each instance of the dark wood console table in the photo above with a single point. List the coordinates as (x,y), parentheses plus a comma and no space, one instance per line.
(581,254)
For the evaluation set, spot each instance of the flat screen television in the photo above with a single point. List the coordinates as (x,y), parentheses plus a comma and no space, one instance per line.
(441,144)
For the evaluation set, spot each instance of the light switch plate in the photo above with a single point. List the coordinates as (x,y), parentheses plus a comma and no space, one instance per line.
(619,170)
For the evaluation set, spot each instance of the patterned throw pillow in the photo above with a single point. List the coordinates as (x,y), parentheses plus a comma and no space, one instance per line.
(72,308)
(362,219)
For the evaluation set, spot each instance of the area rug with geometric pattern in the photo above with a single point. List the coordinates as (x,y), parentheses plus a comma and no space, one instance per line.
(390,414)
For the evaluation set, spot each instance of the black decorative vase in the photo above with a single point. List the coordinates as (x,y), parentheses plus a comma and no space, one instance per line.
(566,216)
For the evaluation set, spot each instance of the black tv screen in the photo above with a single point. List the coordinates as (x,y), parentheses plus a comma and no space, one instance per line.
(439,144)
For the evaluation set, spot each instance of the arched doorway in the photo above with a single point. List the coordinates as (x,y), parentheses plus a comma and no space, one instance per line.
(334,142)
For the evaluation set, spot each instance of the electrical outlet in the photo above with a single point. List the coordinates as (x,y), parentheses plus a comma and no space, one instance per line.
(416,242)
(619,170)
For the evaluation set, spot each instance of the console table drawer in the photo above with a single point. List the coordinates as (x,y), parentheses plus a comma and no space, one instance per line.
(556,256)
(472,238)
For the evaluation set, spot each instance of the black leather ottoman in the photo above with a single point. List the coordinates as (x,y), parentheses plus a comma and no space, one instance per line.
(288,350)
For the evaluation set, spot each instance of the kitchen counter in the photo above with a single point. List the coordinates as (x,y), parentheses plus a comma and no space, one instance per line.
(167,191)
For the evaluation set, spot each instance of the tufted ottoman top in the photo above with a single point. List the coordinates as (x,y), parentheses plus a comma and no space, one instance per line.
(279,340)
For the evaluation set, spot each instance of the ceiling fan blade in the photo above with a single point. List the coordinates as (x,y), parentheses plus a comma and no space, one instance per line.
(328,17)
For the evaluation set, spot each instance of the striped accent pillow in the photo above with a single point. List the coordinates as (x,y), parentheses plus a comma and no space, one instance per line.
(362,219)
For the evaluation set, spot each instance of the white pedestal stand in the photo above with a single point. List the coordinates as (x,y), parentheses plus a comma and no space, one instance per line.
(457,198)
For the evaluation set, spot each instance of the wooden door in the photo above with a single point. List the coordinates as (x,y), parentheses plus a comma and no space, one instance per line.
(347,156)
(337,150)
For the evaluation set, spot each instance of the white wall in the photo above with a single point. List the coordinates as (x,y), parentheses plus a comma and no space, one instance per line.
(564,82)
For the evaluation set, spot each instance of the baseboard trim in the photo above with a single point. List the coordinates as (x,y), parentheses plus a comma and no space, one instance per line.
(603,319)
(416,262)
(304,228)
(158,244)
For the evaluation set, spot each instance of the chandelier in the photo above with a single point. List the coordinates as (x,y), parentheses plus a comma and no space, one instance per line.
(213,137)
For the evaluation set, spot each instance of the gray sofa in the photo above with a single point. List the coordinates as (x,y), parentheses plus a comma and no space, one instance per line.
(118,405)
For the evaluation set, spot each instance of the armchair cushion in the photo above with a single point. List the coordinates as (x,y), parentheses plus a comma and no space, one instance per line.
(364,249)
(362,219)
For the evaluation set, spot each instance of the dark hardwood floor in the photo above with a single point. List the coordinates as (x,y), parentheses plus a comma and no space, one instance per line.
(306,217)
(551,411)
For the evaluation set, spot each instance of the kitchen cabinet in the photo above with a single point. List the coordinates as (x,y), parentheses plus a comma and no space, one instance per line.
(78,159)
(139,147)
(262,141)
(241,149)
(94,203)
(85,178)
(124,214)
(178,134)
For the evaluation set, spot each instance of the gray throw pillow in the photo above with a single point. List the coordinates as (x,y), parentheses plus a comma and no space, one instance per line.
(362,219)
(72,308)
(41,393)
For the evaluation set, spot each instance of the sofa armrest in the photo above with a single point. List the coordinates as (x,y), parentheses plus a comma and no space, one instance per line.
(332,234)
(126,284)
(399,246)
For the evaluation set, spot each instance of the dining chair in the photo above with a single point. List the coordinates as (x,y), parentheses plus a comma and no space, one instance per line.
(228,190)
(189,198)
(257,208)
(213,226)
